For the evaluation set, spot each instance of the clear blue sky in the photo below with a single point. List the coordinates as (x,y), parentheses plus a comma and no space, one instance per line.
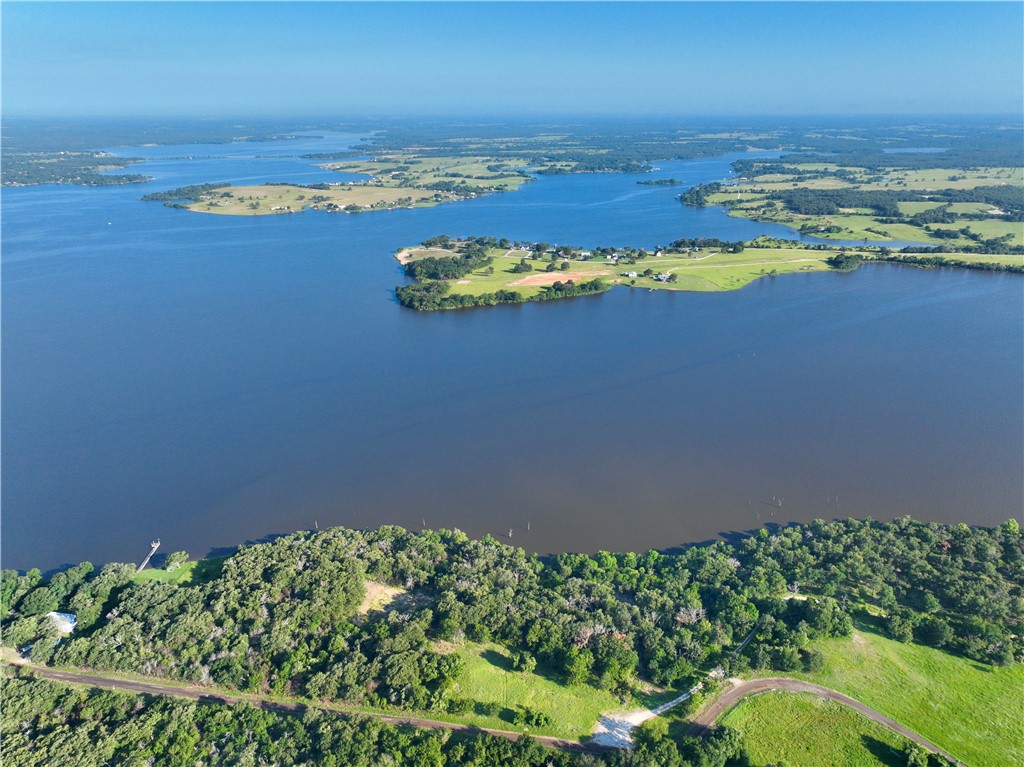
(374,59)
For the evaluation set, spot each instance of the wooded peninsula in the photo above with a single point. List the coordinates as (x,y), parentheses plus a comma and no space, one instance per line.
(485,271)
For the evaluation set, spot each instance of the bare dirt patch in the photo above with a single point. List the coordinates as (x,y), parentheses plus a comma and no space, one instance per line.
(441,647)
(550,278)
(405,255)
(378,596)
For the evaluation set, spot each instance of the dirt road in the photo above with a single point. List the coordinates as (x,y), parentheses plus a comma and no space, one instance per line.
(216,696)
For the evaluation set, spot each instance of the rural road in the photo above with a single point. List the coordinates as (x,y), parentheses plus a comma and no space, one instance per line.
(703,720)
(216,696)
(730,697)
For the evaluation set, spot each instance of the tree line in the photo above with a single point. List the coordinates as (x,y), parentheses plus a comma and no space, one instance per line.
(282,616)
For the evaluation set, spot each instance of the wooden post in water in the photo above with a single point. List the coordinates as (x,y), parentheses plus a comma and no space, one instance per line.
(156,545)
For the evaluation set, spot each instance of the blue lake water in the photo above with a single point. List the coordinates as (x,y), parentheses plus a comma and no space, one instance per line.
(209,379)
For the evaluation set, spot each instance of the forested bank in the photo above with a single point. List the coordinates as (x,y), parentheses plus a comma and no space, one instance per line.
(284,616)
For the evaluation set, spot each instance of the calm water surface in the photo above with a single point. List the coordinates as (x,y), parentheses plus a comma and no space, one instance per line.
(209,380)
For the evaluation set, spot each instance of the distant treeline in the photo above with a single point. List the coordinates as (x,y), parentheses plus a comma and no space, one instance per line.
(586,163)
(192,192)
(698,195)
(847,262)
(26,168)
(661,182)
(342,155)
(433,296)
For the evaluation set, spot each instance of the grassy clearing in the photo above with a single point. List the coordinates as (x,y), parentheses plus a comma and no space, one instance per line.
(181,576)
(201,571)
(378,596)
(806,731)
(975,712)
(489,678)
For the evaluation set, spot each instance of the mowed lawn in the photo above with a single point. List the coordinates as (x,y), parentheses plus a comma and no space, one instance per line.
(806,731)
(974,711)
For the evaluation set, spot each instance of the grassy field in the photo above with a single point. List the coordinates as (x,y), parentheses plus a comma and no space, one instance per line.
(807,731)
(489,678)
(975,712)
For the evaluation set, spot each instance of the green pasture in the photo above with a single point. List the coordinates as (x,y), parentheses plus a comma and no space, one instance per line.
(910,208)
(974,711)
(990,228)
(806,731)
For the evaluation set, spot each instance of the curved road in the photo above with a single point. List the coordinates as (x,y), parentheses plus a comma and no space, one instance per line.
(707,716)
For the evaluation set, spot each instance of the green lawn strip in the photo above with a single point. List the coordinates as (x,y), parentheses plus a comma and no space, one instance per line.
(802,730)
(975,712)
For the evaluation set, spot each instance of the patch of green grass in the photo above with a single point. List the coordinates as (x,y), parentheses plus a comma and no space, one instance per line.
(806,731)
(181,576)
(990,228)
(200,571)
(974,711)
(489,678)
